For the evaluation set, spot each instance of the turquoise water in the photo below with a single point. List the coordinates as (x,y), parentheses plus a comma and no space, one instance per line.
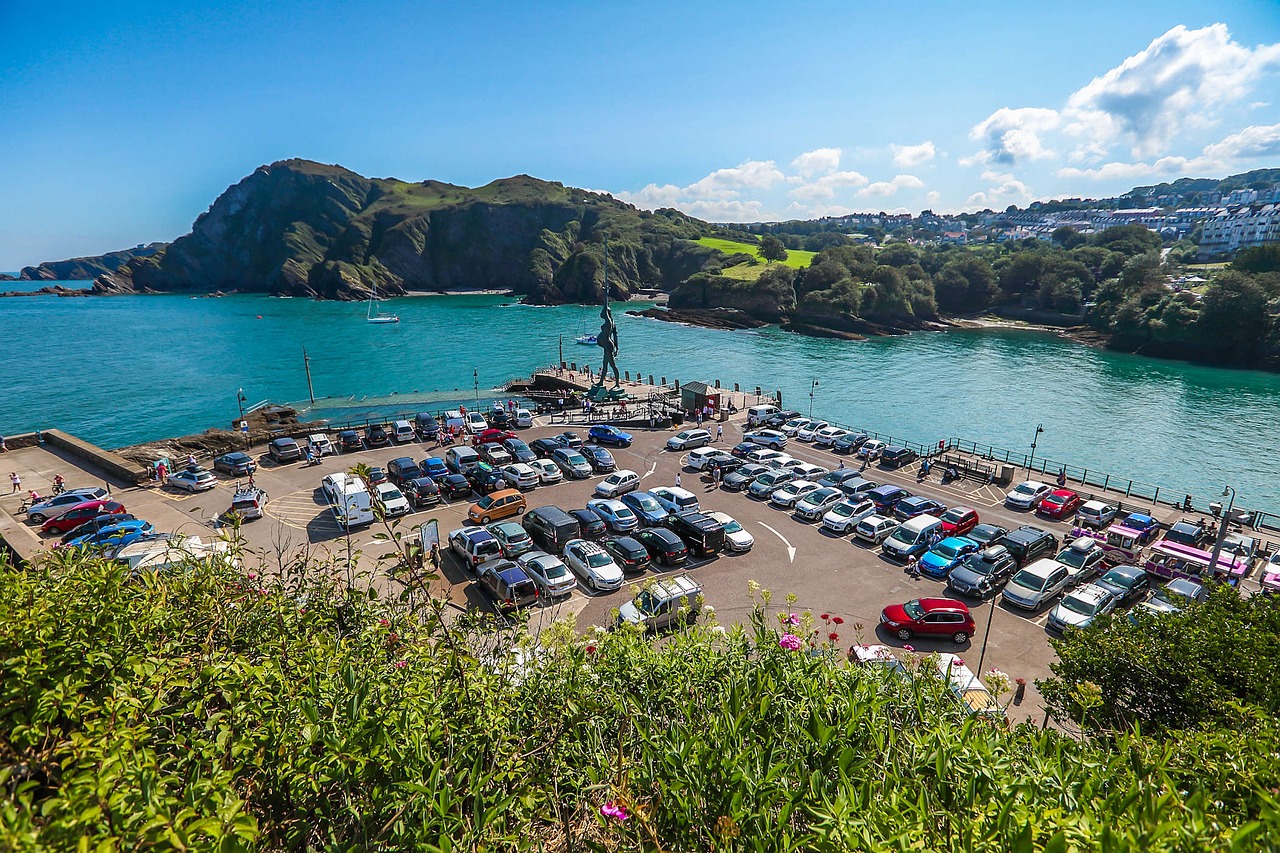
(126,369)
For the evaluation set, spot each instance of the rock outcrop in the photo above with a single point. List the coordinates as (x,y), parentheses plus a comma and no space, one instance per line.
(87,269)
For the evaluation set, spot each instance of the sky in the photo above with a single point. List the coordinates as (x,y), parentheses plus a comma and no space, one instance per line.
(121,122)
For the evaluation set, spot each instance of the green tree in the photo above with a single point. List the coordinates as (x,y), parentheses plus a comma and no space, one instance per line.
(1128,239)
(1265,258)
(1233,316)
(966,284)
(898,255)
(1068,237)
(772,249)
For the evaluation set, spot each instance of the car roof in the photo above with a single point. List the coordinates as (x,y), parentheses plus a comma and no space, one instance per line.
(943,604)
(1097,506)
(1090,590)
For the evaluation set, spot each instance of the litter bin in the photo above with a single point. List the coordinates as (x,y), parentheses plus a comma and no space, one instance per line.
(677,418)
(1006,474)
(724,415)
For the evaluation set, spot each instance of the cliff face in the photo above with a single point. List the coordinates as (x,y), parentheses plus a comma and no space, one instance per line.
(306,229)
(84,269)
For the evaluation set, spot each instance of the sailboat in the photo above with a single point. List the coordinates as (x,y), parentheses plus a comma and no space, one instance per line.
(380,317)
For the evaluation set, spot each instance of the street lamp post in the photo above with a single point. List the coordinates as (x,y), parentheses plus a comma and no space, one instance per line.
(1035,438)
(475,376)
(812,385)
(1222,531)
(982,656)
(241,399)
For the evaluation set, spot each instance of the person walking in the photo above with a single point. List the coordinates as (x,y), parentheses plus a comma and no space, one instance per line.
(16,481)
(162,473)
(677,479)
(719,431)
(435,556)
(4,448)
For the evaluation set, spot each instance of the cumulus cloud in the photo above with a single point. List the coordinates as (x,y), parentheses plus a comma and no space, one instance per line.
(1258,142)
(1011,136)
(907,156)
(816,162)
(729,183)
(718,196)
(827,185)
(1007,190)
(888,188)
(1182,78)
(1252,143)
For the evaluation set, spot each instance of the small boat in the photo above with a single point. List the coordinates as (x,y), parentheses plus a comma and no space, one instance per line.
(380,317)
(586,340)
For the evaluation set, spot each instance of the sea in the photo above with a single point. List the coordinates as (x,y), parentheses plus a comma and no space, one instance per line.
(123,370)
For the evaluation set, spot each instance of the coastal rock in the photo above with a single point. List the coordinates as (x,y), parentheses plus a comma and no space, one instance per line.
(716,318)
(85,269)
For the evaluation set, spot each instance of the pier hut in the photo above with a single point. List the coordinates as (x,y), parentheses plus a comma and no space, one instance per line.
(697,395)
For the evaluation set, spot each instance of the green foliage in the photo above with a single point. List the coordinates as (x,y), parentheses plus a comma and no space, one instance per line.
(796,259)
(772,249)
(1265,258)
(1068,237)
(1213,664)
(1128,239)
(209,710)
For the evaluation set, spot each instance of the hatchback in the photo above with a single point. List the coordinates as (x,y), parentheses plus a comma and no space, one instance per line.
(627,552)
(81,513)
(665,547)
(934,617)
(959,520)
(237,464)
(910,507)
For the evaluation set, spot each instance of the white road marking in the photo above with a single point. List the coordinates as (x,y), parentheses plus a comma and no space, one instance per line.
(652,468)
(791,549)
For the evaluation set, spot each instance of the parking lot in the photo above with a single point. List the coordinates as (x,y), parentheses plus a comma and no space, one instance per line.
(827,574)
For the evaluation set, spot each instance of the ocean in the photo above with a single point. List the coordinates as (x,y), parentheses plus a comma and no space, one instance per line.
(121,370)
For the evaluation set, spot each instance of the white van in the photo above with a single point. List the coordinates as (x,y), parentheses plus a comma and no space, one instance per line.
(159,555)
(453,421)
(757,415)
(461,460)
(348,500)
(912,537)
(403,431)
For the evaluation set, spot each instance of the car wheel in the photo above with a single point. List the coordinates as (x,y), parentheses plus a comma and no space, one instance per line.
(36,517)
(591,582)
(904,633)
(484,520)
(960,637)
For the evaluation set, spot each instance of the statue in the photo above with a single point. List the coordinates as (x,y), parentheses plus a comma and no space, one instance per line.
(608,341)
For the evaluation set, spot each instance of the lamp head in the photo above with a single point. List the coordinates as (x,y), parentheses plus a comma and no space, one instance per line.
(1225,489)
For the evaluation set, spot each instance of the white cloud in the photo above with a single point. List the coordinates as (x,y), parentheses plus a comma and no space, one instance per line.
(932,197)
(907,156)
(1181,79)
(888,188)
(728,183)
(1258,142)
(817,162)
(1010,136)
(827,185)
(718,196)
(1252,143)
(1009,190)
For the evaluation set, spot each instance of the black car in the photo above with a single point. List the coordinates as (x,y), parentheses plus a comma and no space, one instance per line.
(403,469)
(777,419)
(569,438)
(896,457)
(627,553)
(427,426)
(376,435)
(95,524)
(237,464)
(544,447)
(1126,583)
(421,491)
(376,476)
(664,547)
(1185,532)
(601,460)
(349,441)
(849,443)
(591,525)
(519,450)
(703,535)
(454,486)
(485,479)
(736,481)
(284,450)
(499,419)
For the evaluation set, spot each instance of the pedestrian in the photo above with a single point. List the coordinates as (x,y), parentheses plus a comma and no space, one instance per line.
(677,480)
(435,556)
(1062,477)
(162,472)
(4,448)
(16,480)
(719,431)
(840,467)
(913,566)
(715,477)
(58,487)
(699,417)
(191,461)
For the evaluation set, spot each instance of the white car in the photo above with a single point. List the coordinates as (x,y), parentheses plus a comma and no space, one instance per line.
(828,436)
(548,571)
(521,476)
(524,418)
(706,458)
(806,470)
(58,504)
(689,439)
(1037,584)
(592,564)
(618,483)
(1079,608)
(192,480)
(1027,494)
(874,528)
(815,504)
(845,515)
(735,538)
(766,438)
(475,423)
(768,456)
(790,494)
(793,426)
(1095,514)
(391,499)
(321,444)
(871,449)
(810,430)
(548,471)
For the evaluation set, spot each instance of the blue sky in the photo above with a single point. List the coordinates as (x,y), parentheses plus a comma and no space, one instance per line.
(123,121)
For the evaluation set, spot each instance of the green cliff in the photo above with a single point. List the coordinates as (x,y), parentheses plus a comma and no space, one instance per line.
(306,229)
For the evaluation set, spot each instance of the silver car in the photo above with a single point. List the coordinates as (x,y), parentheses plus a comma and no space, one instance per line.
(572,463)
(549,572)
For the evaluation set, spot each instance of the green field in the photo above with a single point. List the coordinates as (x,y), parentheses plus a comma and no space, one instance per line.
(796,258)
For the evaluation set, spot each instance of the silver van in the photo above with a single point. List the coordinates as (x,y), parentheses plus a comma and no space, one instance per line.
(912,537)
(664,604)
(402,431)
(461,460)
(757,415)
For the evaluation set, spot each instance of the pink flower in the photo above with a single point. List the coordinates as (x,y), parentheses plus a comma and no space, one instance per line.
(909,648)
(791,619)
(383,622)
(616,811)
(253,576)
(790,642)
(401,664)
(959,661)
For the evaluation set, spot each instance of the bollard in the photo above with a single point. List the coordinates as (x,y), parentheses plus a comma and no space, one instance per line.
(717,383)
(651,379)
(626,374)
(664,380)
(736,389)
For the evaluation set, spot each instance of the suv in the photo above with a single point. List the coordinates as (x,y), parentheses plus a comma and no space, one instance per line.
(474,545)
(1079,608)
(507,584)
(284,450)
(896,457)
(1028,543)
(403,469)
(704,536)
(663,604)
(248,502)
(982,572)
(376,435)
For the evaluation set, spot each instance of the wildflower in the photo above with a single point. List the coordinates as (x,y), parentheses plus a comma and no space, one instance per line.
(833,636)
(753,587)
(253,576)
(792,619)
(719,631)
(908,648)
(708,610)
(591,649)
(615,810)
(825,617)
(401,664)
(837,620)
(790,642)
(383,622)
(959,661)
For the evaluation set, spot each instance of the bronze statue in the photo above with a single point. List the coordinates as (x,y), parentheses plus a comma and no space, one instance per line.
(608,341)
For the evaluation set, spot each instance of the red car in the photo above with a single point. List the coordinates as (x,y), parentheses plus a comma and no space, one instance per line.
(492,435)
(934,617)
(959,520)
(1059,504)
(79,514)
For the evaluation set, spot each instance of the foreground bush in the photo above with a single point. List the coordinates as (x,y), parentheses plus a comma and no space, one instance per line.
(201,711)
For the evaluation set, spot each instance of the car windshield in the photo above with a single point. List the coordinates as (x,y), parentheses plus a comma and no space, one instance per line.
(1082,606)
(598,560)
(1025,489)
(549,568)
(1119,579)
(954,516)
(576,459)
(903,535)
(842,509)
(647,503)
(623,512)
(485,502)
(946,552)
(1030,580)
(646,603)
(980,566)
(1072,557)
(732,526)
(913,608)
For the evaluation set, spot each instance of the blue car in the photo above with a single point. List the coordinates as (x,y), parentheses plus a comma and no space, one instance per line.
(113,536)
(646,506)
(433,467)
(908,508)
(605,434)
(939,560)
